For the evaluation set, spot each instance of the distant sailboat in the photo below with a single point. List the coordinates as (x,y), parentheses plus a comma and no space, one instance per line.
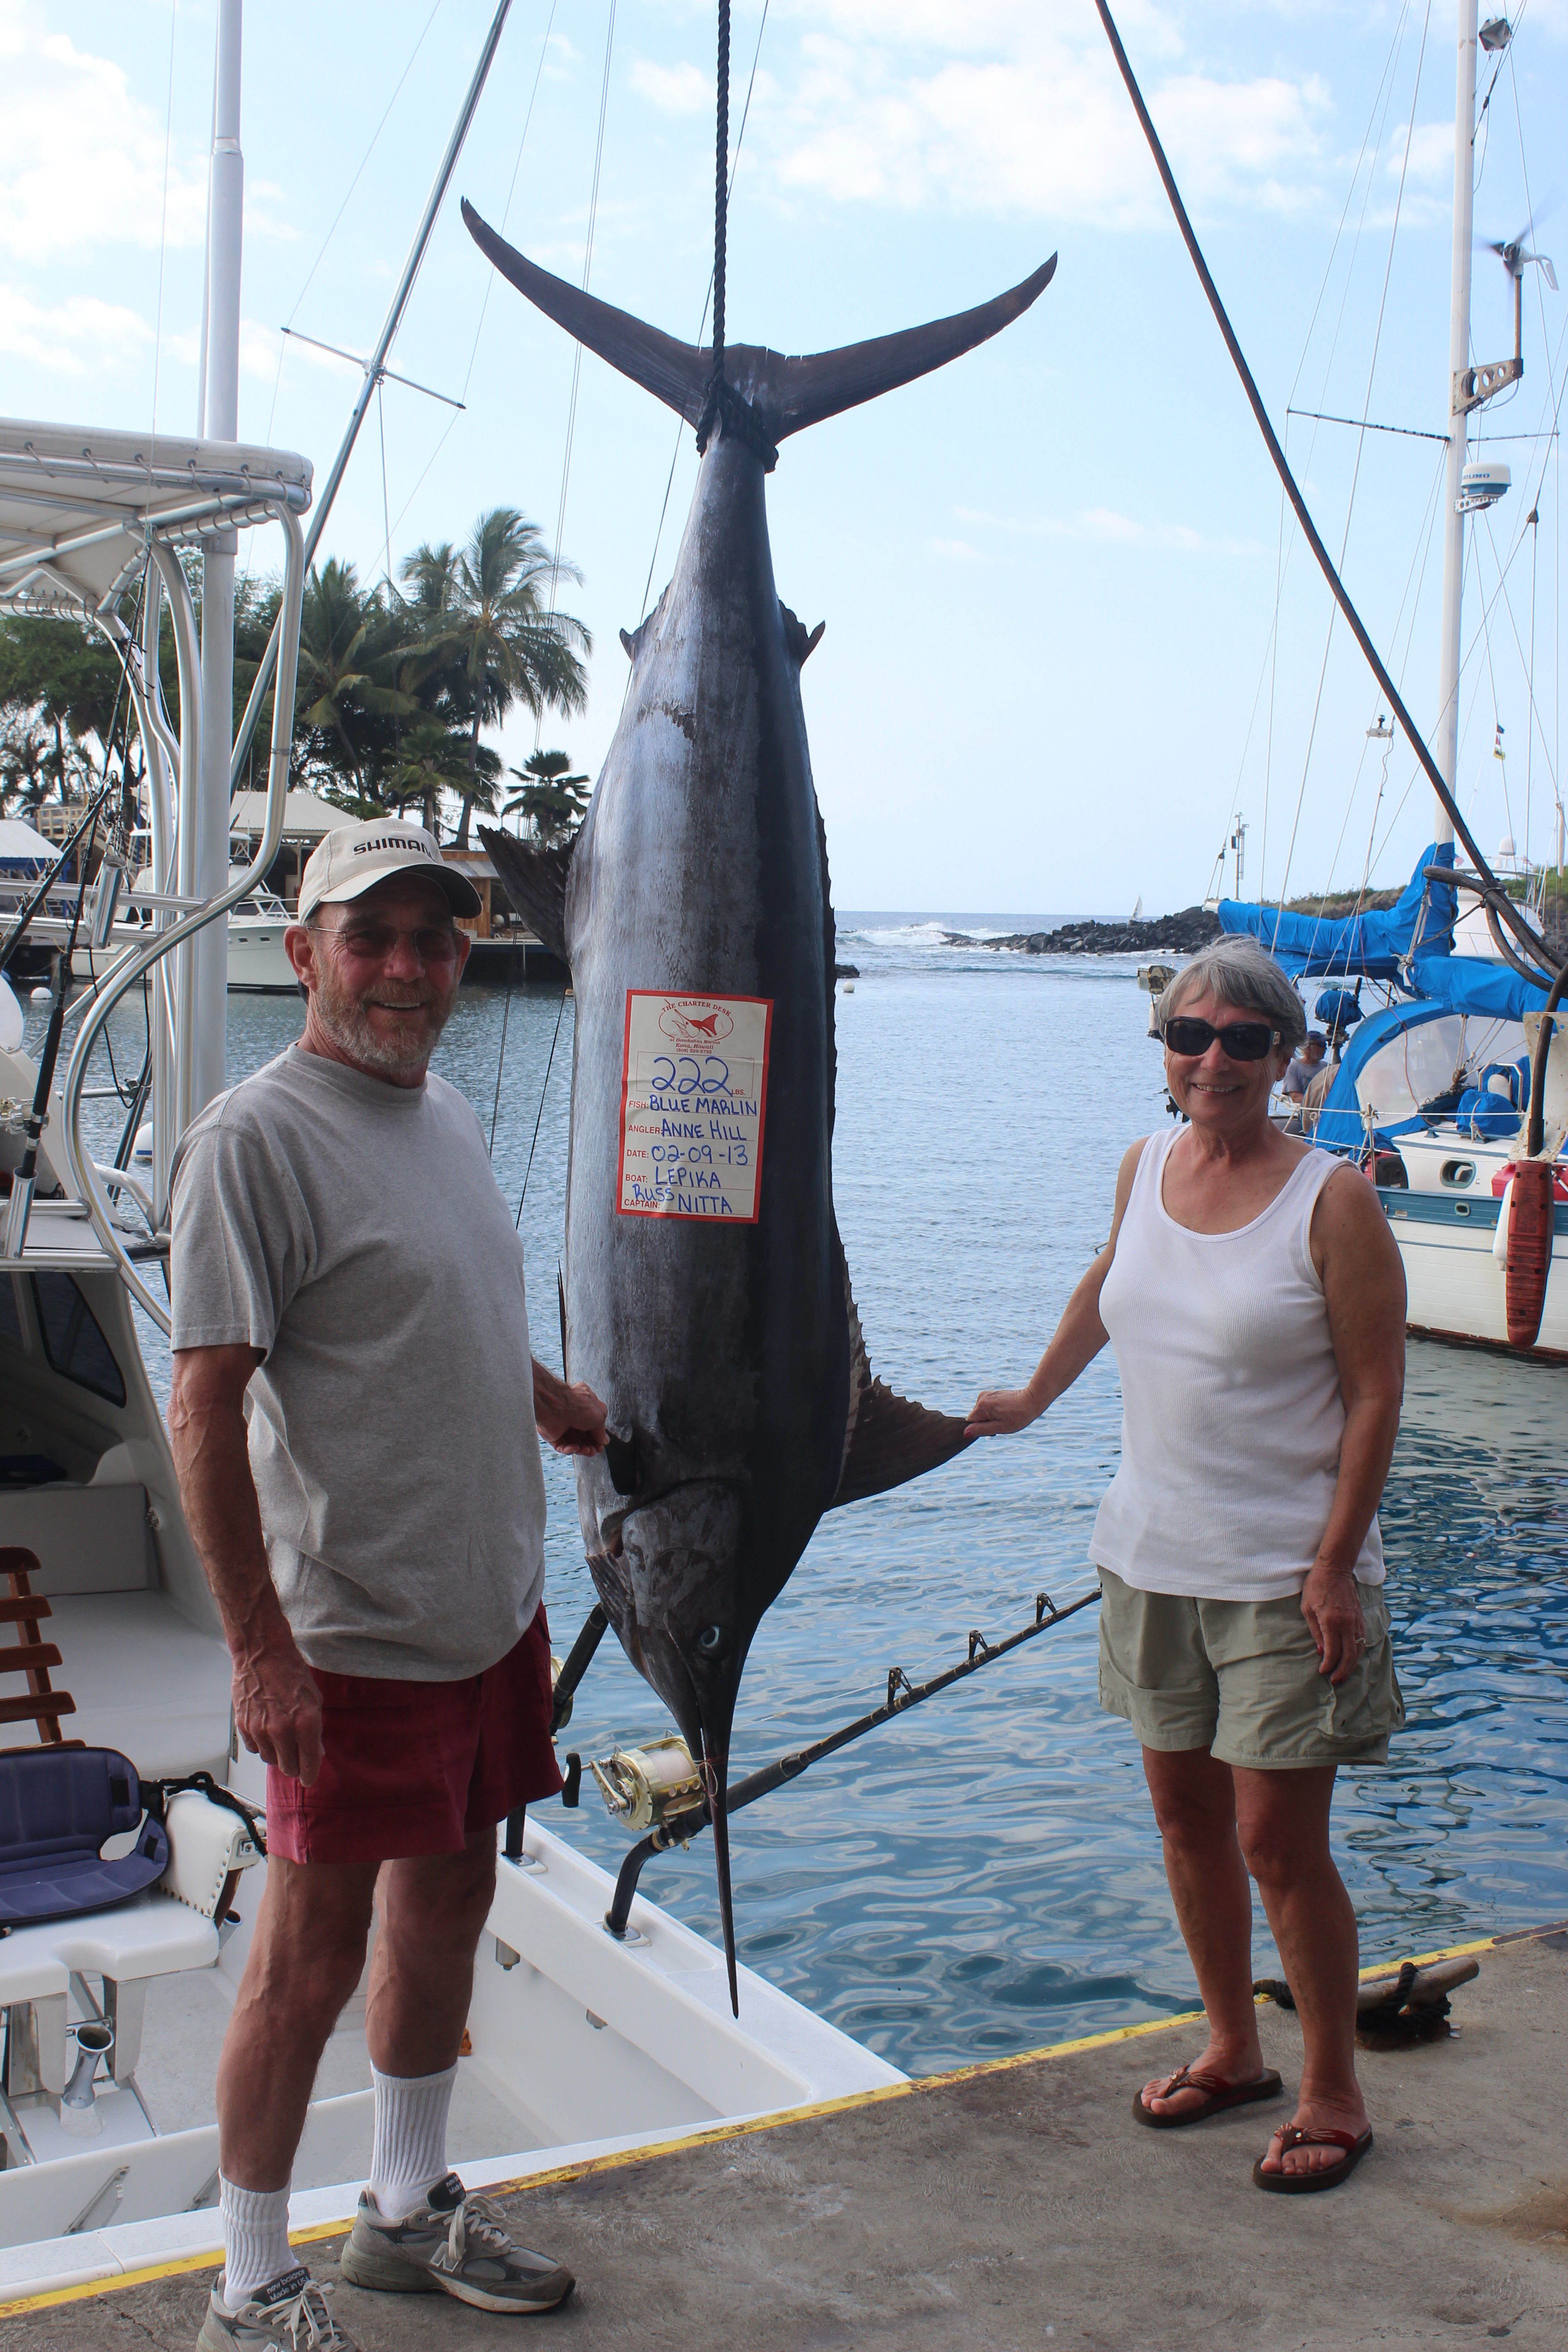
(1137,915)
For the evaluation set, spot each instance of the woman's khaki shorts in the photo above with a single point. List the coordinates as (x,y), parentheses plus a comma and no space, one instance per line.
(1240,1678)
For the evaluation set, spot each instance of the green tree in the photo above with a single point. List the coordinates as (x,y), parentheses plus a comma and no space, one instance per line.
(491,639)
(435,759)
(26,764)
(348,711)
(68,678)
(553,802)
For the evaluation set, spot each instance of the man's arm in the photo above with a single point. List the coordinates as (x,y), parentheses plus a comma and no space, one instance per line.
(1363,1289)
(276,1702)
(567,1414)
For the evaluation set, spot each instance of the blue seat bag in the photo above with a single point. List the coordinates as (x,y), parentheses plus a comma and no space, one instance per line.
(58,1807)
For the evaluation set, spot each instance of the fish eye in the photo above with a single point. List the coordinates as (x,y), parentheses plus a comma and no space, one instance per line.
(710,1639)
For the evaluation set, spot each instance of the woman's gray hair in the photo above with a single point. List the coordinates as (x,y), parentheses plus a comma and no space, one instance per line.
(1240,972)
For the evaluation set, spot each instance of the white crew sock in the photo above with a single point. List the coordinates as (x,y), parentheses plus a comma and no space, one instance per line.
(255,2238)
(408,2154)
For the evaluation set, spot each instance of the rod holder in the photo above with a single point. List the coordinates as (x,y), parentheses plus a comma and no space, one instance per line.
(79,2103)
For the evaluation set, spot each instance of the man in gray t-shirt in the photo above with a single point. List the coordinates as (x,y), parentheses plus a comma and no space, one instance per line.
(352,1415)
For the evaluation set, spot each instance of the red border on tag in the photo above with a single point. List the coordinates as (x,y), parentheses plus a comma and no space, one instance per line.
(687,1215)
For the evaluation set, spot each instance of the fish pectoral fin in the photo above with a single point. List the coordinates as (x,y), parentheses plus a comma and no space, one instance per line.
(888,1439)
(535,882)
(892,1440)
(800,641)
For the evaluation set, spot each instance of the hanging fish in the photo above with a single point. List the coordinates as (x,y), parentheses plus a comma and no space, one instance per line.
(705,1293)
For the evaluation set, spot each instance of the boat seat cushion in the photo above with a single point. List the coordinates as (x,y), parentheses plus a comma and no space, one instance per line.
(58,1808)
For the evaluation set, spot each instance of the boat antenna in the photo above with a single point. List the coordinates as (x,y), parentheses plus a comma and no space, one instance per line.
(374,366)
(1489,888)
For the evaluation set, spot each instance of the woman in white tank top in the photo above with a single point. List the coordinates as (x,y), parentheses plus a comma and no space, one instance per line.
(1256,1302)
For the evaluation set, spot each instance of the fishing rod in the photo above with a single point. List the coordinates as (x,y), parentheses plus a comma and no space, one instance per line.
(663,1781)
(51,881)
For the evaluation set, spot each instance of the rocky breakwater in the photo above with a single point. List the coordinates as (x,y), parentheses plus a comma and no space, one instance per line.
(1180,934)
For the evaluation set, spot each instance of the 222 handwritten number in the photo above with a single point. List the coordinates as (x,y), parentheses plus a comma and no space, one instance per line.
(709,1077)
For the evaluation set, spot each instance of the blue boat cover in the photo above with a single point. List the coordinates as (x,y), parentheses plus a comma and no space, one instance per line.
(1373,946)
(58,1807)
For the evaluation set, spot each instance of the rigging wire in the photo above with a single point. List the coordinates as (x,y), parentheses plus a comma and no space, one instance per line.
(489,277)
(1355,476)
(543,1091)
(1286,540)
(1497,899)
(577,347)
(702,322)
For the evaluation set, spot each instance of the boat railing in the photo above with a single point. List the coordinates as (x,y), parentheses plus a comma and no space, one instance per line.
(147,500)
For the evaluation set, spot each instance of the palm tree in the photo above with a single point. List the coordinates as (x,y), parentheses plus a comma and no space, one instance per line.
(336,686)
(434,758)
(553,802)
(29,765)
(486,608)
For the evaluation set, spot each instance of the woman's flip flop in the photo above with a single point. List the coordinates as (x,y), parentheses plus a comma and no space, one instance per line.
(1327,2176)
(1218,2095)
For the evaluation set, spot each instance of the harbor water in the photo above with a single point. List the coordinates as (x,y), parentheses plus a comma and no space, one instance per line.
(982,1875)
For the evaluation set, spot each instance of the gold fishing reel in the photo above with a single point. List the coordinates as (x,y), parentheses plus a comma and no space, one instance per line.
(652,1786)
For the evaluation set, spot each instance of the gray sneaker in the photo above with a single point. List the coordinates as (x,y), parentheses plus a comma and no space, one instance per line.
(452,2245)
(290,2316)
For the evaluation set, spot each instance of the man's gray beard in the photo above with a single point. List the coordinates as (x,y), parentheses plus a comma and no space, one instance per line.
(348,1025)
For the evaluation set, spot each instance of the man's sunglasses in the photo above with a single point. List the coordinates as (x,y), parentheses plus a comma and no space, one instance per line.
(1241,1041)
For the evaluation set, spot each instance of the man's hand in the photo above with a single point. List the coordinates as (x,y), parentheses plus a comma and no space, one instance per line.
(277,1708)
(1332,1606)
(567,1414)
(1002,1412)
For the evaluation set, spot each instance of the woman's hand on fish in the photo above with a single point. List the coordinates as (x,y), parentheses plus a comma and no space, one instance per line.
(1002,1412)
(567,1414)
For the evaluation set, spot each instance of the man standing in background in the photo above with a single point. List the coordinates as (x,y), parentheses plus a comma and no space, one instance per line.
(347,1280)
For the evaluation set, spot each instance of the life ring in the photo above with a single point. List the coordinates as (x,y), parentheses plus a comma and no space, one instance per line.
(1530,1211)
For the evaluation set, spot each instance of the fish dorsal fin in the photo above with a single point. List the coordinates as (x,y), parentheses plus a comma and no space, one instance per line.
(888,1439)
(535,882)
(787,393)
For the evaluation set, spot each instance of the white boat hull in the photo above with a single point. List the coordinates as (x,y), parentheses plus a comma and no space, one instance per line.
(1448,1237)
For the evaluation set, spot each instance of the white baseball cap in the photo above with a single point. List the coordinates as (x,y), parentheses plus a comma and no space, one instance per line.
(353,859)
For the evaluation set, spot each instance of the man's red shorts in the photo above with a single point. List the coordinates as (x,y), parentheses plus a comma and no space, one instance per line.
(412,1769)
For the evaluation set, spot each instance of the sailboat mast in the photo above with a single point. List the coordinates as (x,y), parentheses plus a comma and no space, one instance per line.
(218,421)
(1446,740)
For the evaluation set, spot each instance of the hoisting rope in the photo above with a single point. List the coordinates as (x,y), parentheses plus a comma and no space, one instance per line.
(724,407)
(1482,880)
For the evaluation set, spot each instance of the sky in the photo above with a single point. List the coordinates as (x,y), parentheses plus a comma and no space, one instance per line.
(1069,639)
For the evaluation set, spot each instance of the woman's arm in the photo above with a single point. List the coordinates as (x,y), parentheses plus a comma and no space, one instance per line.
(1363,1288)
(1077,1339)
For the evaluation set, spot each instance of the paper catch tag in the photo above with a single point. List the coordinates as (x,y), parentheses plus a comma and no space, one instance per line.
(694,1102)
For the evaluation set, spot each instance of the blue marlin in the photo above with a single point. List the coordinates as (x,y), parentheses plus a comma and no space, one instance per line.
(709,1305)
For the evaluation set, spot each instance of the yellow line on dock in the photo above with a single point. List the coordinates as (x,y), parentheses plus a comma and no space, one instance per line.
(621,2158)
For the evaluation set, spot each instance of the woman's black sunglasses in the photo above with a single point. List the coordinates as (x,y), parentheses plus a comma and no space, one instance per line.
(1242,1041)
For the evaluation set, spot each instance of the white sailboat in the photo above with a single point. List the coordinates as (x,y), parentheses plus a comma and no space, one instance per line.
(1432,1095)
(582,2040)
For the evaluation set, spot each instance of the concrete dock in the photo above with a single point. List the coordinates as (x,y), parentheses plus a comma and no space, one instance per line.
(1019,2205)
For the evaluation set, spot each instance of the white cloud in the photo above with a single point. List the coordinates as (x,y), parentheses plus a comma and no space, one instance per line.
(674,89)
(81,159)
(77,337)
(1431,156)
(957,550)
(1104,527)
(1016,106)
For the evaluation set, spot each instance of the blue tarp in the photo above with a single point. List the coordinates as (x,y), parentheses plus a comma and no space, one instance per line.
(1448,984)
(1340,1127)
(1371,946)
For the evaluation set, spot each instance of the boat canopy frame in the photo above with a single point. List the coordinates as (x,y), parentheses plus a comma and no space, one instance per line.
(85,514)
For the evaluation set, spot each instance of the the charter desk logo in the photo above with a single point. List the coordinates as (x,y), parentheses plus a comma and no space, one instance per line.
(693,1023)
